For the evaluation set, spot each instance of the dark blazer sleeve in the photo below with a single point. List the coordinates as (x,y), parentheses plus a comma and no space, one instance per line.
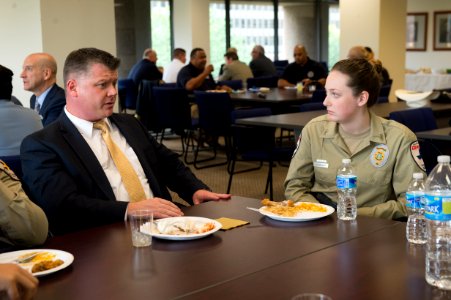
(53,105)
(63,176)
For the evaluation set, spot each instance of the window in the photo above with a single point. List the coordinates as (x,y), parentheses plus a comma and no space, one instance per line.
(217,35)
(161,30)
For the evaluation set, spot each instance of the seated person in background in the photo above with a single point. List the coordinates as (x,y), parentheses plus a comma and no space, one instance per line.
(22,223)
(197,74)
(260,64)
(16,121)
(234,69)
(368,54)
(303,69)
(92,167)
(221,69)
(146,68)
(178,62)
(39,76)
(17,283)
(384,153)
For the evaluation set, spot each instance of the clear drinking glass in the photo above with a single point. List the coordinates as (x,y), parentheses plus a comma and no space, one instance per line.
(140,226)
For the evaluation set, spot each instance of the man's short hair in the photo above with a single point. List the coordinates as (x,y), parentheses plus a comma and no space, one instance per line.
(177,52)
(6,87)
(259,49)
(231,55)
(79,61)
(194,52)
(147,52)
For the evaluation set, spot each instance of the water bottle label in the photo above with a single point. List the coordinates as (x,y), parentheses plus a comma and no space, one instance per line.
(438,208)
(414,200)
(346,181)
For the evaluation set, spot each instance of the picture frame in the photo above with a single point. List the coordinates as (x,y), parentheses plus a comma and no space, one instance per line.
(442,30)
(416,31)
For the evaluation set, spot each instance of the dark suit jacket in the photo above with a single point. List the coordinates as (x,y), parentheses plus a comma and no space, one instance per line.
(63,176)
(53,104)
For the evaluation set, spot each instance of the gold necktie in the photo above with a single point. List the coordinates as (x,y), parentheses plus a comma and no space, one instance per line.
(130,179)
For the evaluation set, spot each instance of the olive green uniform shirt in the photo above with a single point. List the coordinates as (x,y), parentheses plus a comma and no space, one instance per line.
(22,223)
(384,163)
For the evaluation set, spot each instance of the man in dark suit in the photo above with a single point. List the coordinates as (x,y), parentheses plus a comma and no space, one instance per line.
(39,76)
(68,168)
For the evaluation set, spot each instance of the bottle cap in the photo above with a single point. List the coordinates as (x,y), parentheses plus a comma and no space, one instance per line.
(417,175)
(346,160)
(443,159)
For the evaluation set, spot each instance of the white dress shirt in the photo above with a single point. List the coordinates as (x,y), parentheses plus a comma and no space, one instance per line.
(95,141)
(172,70)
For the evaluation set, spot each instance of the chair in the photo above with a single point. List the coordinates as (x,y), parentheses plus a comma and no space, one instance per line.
(255,144)
(128,93)
(171,85)
(384,92)
(280,66)
(145,106)
(316,103)
(265,81)
(14,163)
(420,119)
(172,110)
(214,121)
(233,84)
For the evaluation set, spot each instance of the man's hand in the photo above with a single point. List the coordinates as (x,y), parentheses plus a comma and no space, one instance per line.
(161,208)
(204,195)
(208,69)
(16,282)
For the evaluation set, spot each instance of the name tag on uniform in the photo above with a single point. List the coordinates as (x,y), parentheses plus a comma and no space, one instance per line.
(321,163)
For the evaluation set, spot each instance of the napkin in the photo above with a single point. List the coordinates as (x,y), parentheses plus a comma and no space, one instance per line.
(228,223)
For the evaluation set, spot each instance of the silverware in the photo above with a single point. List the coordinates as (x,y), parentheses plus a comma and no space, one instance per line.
(26,259)
(253,208)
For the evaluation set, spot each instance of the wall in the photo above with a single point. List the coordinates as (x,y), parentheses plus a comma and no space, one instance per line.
(53,26)
(429,58)
(20,33)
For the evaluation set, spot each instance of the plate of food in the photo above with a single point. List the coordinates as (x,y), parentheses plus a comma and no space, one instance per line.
(39,262)
(182,228)
(290,211)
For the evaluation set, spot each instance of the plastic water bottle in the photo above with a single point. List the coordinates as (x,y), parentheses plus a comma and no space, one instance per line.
(347,190)
(416,224)
(438,221)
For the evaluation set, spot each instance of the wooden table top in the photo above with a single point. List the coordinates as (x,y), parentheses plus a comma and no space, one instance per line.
(274,96)
(443,134)
(266,259)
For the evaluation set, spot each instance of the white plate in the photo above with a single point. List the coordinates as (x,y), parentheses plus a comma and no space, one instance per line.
(301,216)
(290,88)
(66,257)
(163,222)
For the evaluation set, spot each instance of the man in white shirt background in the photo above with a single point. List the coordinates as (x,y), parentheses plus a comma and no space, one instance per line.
(178,62)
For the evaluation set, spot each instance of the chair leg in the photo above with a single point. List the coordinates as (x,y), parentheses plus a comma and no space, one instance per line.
(229,185)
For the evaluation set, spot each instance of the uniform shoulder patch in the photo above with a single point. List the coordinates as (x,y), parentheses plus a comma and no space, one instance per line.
(415,152)
(4,167)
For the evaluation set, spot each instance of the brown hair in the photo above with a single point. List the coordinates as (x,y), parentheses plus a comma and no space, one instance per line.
(79,61)
(363,76)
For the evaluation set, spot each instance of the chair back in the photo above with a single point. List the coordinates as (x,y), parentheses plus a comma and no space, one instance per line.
(385,92)
(319,95)
(265,81)
(145,106)
(280,66)
(172,108)
(233,84)
(417,119)
(14,163)
(171,85)
(214,112)
(128,92)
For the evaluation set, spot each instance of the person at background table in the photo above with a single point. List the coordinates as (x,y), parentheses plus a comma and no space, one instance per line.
(39,76)
(16,121)
(146,68)
(173,68)
(384,153)
(17,283)
(68,169)
(303,69)
(368,54)
(260,64)
(22,223)
(234,69)
(221,69)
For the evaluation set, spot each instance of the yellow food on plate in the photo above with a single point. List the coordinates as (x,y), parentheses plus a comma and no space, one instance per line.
(289,209)
(46,265)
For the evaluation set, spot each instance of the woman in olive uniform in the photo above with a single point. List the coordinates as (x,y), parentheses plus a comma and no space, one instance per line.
(384,153)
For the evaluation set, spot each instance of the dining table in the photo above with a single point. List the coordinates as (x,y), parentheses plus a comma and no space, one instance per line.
(367,258)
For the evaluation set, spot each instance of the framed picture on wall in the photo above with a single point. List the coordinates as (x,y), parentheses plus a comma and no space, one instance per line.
(442,30)
(416,33)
